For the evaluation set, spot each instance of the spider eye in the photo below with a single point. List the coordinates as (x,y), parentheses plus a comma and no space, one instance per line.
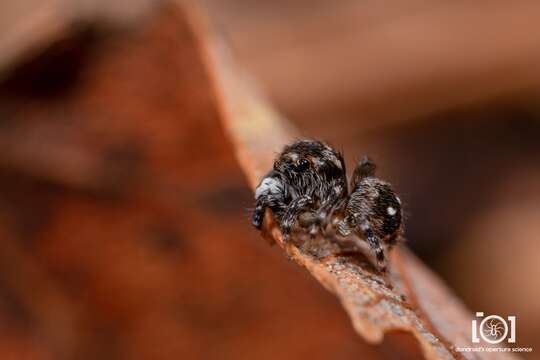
(303,165)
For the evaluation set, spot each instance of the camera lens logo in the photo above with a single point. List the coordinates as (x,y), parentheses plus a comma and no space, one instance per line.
(493,329)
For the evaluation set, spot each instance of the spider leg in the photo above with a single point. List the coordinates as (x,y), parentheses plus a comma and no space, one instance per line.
(291,213)
(331,212)
(342,227)
(365,168)
(269,194)
(374,242)
(258,213)
(393,240)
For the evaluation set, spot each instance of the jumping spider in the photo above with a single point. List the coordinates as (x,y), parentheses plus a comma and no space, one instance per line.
(308,187)
(308,183)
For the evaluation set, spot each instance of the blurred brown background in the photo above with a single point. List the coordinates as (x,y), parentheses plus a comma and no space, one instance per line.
(124,216)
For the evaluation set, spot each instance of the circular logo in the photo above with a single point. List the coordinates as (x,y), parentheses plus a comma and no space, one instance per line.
(493,329)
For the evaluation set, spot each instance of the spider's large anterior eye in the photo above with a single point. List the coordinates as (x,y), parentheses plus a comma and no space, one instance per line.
(303,165)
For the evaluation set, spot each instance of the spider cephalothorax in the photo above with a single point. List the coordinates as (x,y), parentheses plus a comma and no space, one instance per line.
(308,187)
(308,183)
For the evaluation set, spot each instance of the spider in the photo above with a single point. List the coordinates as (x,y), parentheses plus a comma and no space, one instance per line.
(307,184)
(308,187)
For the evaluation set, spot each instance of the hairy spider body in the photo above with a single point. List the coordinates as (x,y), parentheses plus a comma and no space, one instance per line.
(373,211)
(308,183)
(308,187)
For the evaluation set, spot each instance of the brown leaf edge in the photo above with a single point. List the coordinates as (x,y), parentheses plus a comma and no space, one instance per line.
(410,298)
